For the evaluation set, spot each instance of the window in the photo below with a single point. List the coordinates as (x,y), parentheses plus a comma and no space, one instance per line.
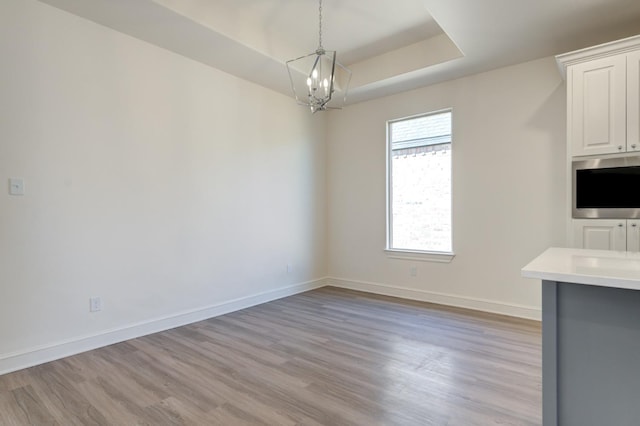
(419,184)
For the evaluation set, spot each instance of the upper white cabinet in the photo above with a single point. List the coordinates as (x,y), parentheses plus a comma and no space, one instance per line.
(597,106)
(603,98)
(633,100)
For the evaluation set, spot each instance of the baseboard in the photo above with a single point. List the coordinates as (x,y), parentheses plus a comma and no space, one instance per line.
(512,310)
(35,356)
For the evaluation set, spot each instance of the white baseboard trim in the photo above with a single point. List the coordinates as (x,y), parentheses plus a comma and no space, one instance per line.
(527,312)
(39,355)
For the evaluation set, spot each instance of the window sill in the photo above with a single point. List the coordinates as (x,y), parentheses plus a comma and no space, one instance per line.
(421,256)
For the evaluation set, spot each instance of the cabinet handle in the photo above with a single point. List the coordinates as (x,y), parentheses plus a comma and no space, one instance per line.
(634,225)
(633,145)
(620,225)
(619,147)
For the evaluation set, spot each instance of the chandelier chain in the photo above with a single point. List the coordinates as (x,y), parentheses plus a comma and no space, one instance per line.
(320,24)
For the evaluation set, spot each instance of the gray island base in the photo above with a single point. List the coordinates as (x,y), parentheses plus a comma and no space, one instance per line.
(590,336)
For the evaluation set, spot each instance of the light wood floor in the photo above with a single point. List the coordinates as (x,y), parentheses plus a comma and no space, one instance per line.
(326,357)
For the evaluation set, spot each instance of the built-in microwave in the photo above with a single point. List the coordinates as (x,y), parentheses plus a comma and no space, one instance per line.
(606,188)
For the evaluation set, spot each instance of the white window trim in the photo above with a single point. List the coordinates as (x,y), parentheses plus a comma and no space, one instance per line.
(420,256)
(407,254)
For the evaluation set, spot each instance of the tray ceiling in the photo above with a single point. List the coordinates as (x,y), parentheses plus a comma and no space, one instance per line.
(390,46)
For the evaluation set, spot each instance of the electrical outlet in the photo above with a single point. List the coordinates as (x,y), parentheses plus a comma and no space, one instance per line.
(413,271)
(289,268)
(16,186)
(95,304)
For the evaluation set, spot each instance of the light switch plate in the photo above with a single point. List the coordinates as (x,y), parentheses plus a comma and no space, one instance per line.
(16,186)
(95,304)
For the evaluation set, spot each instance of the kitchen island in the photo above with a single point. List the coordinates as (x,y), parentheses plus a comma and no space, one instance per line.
(590,336)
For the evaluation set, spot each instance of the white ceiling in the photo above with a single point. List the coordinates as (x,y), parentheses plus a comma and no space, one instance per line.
(390,46)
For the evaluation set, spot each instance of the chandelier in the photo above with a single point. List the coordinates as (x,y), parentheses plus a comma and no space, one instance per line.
(318,80)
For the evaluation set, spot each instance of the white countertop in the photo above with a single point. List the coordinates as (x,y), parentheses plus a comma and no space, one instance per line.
(618,269)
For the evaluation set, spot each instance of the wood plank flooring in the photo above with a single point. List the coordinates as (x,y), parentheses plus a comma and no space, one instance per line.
(325,357)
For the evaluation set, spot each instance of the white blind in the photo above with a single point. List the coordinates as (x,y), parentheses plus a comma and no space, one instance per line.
(412,133)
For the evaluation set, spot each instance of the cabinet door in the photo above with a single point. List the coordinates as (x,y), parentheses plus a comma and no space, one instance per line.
(633,101)
(633,235)
(600,234)
(598,106)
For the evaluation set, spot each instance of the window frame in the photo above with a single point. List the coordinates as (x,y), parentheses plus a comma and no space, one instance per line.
(408,254)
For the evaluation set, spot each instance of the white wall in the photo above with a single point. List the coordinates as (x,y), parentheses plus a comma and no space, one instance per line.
(159,184)
(175,192)
(508,189)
